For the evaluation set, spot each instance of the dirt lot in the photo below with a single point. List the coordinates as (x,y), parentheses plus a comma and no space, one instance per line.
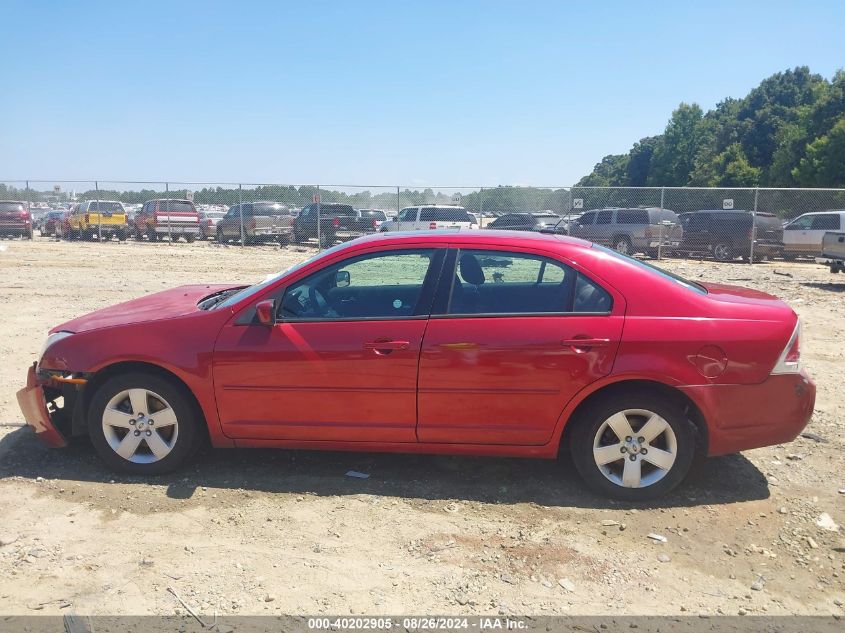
(259,532)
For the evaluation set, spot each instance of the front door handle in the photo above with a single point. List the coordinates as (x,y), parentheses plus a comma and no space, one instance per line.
(386,346)
(584,343)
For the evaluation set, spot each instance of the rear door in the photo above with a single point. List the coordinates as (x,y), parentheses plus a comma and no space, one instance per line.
(603,231)
(510,341)
(583,226)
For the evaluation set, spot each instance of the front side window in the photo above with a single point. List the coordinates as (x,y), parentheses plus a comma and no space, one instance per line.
(501,282)
(587,218)
(604,217)
(801,224)
(408,215)
(379,285)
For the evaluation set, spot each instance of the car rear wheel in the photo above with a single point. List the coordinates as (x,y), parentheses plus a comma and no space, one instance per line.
(622,245)
(722,252)
(633,447)
(142,424)
(189,238)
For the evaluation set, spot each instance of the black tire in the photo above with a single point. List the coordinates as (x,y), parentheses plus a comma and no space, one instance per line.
(622,244)
(326,241)
(220,238)
(189,238)
(152,236)
(590,421)
(187,439)
(121,236)
(723,252)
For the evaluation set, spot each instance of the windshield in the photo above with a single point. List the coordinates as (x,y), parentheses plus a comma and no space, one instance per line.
(691,285)
(273,278)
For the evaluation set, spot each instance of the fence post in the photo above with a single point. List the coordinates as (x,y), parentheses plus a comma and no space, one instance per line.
(241,213)
(167,211)
(753,226)
(319,228)
(660,224)
(398,206)
(99,215)
(481,208)
(29,211)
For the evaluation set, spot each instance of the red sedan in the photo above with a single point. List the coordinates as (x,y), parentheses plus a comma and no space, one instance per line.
(479,342)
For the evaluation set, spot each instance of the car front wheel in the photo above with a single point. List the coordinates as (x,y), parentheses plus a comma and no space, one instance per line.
(633,447)
(142,424)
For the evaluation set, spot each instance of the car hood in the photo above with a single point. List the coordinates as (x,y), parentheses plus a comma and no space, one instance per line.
(155,307)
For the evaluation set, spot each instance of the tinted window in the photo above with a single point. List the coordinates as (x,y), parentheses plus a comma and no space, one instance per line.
(632,216)
(434,214)
(263,208)
(590,297)
(587,218)
(499,282)
(604,217)
(105,206)
(373,215)
(653,269)
(826,222)
(380,285)
(11,206)
(408,215)
(178,206)
(505,220)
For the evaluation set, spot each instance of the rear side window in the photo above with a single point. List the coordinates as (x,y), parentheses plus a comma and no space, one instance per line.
(501,282)
(826,222)
(433,214)
(632,216)
(105,206)
(11,206)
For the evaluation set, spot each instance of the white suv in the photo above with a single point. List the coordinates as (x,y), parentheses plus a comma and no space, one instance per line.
(429,216)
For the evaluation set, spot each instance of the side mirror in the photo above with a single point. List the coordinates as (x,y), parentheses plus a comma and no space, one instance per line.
(342,279)
(265,310)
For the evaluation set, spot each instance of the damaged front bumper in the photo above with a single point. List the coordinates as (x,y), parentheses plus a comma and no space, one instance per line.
(50,422)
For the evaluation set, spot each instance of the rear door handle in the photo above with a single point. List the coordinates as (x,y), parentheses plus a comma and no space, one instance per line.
(385,347)
(585,342)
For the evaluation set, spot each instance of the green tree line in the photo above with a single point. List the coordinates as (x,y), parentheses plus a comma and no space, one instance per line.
(787,132)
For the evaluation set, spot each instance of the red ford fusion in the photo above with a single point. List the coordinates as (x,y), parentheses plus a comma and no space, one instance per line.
(476,343)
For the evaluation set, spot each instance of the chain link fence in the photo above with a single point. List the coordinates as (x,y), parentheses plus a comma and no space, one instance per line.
(724,224)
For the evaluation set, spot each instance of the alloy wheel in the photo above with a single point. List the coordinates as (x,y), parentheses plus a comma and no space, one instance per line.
(635,448)
(140,426)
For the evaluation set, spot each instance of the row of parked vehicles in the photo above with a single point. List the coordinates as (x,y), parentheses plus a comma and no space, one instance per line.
(722,234)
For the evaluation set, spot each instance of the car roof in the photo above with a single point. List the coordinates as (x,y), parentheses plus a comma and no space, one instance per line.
(486,236)
(840,211)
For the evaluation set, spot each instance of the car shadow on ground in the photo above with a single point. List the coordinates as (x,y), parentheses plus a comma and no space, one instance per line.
(493,480)
(830,286)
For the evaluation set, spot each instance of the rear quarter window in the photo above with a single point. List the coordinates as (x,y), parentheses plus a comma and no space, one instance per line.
(632,216)
(444,215)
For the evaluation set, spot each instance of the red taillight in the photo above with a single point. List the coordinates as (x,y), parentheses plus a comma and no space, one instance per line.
(336,223)
(432,225)
(24,215)
(790,359)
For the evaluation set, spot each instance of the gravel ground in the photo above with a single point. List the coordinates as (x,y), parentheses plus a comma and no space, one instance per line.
(260,532)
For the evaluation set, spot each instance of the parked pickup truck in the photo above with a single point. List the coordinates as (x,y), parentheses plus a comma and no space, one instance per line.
(833,251)
(338,223)
(262,222)
(158,219)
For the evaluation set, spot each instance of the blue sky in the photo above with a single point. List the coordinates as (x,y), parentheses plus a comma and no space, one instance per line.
(413,93)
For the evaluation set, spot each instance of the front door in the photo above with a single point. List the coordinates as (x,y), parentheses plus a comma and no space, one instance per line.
(341,362)
(522,335)
(796,235)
